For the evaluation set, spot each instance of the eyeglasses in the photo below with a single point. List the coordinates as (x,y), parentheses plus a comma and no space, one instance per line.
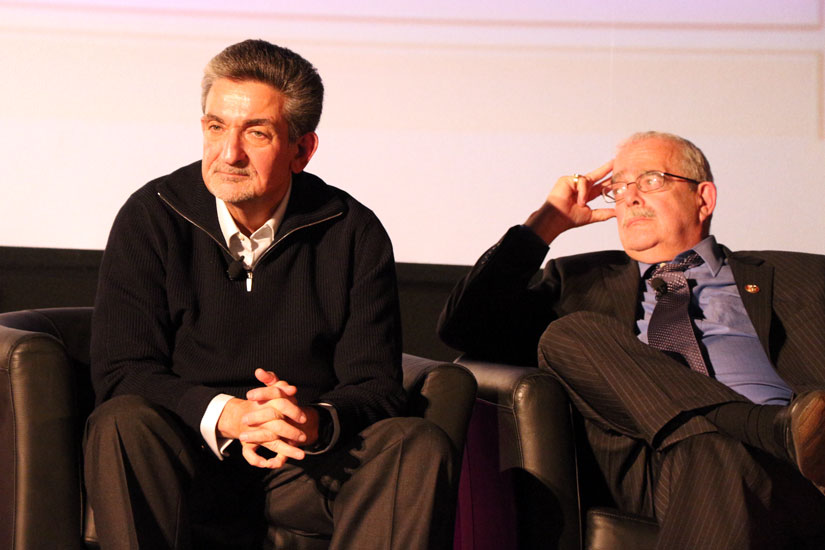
(647,182)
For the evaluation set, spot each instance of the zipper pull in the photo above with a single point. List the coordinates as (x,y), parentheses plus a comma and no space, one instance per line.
(249,281)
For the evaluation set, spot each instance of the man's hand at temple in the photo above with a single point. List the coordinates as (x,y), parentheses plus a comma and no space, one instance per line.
(566,206)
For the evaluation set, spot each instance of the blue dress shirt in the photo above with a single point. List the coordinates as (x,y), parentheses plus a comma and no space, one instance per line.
(725,332)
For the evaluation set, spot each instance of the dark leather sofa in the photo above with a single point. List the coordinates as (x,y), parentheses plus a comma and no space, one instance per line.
(46,396)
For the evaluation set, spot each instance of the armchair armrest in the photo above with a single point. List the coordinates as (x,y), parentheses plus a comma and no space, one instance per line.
(40,426)
(443,393)
(521,439)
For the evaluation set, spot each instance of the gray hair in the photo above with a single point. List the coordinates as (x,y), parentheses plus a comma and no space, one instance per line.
(283,69)
(692,163)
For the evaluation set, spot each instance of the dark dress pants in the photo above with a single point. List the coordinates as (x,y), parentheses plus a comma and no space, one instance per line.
(662,458)
(152,484)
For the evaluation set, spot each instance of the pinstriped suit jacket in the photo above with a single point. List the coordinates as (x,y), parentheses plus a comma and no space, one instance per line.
(500,309)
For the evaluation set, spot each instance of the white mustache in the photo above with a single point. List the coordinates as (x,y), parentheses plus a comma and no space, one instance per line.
(637,212)
(231,170)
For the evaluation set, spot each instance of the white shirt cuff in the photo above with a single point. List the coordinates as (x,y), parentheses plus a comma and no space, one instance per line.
(209,425)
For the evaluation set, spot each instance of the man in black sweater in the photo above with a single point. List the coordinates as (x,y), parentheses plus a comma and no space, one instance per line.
(246,344)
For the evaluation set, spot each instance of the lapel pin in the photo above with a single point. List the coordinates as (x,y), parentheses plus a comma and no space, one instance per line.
(751,289)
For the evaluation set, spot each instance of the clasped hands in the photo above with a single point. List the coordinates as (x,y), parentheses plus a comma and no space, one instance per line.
(567,207)
(269,417)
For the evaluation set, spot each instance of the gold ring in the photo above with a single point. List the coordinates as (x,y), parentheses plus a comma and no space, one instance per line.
(576,178)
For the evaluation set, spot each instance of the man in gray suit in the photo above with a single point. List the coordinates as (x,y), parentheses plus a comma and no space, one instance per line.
(724,444)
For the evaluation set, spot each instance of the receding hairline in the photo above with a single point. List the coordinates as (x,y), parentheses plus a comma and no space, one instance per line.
(690,157)
(651,135)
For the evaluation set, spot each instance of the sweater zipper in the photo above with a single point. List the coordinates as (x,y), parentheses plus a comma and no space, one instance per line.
(172,206)
(249,273)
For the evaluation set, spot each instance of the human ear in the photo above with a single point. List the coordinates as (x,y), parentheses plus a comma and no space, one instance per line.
(307,145)
(706,198)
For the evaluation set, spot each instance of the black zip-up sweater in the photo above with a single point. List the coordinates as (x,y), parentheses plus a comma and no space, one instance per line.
(171,326)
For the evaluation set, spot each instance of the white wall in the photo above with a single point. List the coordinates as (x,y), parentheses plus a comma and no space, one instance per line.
(451,120)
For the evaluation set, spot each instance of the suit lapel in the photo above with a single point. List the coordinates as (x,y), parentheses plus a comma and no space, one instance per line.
(622,283)
(754,280)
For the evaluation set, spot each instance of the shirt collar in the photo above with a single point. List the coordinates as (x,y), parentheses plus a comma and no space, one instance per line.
(229,228)
(707,249)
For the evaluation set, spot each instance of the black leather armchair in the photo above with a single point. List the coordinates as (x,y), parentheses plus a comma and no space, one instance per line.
(46,396)
(529,479)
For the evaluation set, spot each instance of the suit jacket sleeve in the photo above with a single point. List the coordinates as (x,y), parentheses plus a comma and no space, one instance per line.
(498,311)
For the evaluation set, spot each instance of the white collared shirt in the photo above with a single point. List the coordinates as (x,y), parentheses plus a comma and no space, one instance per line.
(250,249)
